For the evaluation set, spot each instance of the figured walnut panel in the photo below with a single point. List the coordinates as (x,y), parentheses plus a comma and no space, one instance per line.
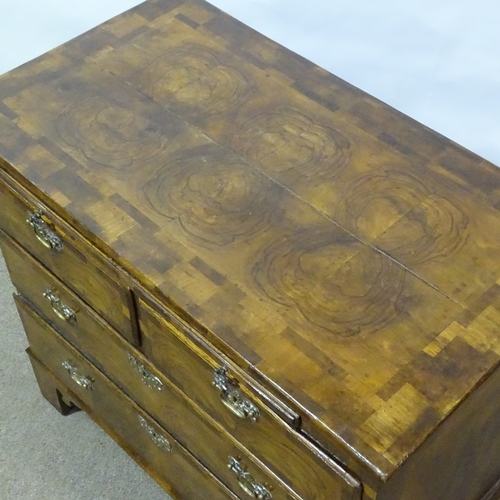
(344,251)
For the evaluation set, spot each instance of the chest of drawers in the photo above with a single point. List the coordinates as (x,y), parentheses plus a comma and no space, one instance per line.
(261,281)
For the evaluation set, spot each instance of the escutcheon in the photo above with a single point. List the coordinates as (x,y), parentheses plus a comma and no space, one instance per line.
(247,482)
(43,233)
(59,307)
(158,439)
(81,380)
(232,397)
(147,376)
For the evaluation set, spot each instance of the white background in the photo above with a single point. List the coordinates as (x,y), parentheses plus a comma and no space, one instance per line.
(436,60)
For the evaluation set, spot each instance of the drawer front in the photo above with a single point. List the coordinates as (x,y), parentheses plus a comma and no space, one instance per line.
(67,256)
(241,412)
(132,372)
(143,437)
(49,295)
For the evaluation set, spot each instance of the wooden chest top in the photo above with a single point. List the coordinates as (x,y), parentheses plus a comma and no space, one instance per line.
(343,254)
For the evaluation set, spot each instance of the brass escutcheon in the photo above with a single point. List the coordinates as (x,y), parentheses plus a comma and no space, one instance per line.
(247,482)
(43,233)
(81,380)
(158,439)
(150,379)
(232,397)
(60,308)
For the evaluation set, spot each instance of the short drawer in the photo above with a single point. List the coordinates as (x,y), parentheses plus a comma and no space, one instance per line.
(222,455)
(233,402)
(152,446)
(58,248)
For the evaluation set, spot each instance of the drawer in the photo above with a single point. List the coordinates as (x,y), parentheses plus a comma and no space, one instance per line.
(150,444)
(66,255)
(235,404)
(48,294)
(132,372)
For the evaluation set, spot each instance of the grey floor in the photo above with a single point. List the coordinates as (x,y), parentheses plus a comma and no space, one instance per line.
(46,456)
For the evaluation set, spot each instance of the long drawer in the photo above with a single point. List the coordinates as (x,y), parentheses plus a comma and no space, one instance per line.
(61,250)
(143,440)
(150,444)
(228,460)
(230,400)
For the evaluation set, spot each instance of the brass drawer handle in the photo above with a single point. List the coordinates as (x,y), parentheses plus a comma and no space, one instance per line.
(81,380)
(44,235)
(159,440)
(59,307)
(148,378)
(232,397)
(246,481)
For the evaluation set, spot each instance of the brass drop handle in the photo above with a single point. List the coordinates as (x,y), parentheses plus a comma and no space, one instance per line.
(59,307)
(157,438)
(246,481)
(81,380)
(43,233)
(232,397)
(148,377)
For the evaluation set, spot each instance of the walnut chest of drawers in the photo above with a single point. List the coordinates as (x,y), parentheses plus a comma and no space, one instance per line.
(259,280)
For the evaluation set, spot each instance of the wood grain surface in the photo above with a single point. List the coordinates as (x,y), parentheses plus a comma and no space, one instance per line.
(347,253)
(174,468)
(77,264)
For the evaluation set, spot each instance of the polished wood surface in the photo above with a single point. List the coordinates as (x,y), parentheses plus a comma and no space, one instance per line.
(177,468)
(192,427)
(52,390)
(33,281)
(467,475)
(192,369)
(338,255)
(76,264)
(310,473)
